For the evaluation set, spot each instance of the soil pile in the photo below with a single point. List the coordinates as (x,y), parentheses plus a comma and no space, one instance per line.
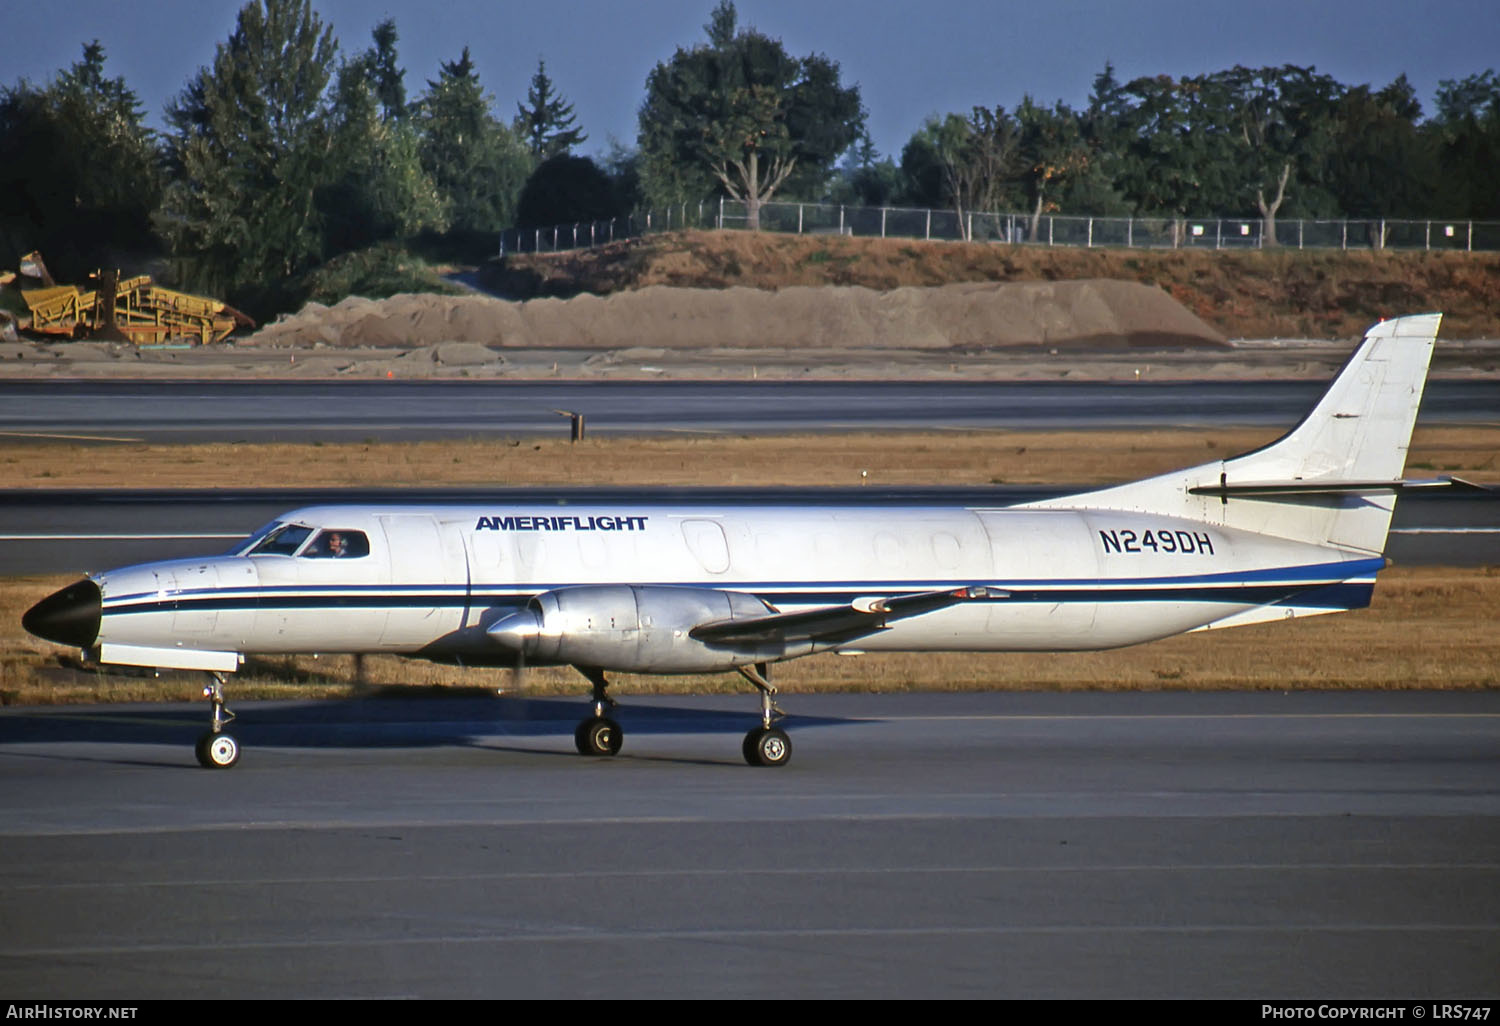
(962,318)
(1255,294)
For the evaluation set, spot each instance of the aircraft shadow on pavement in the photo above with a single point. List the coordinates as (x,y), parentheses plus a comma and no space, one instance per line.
(371,722)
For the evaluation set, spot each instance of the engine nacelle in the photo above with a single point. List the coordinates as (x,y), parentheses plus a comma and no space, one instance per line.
(631,628)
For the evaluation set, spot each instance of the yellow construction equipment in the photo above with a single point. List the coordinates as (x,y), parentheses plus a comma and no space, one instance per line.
(129,309)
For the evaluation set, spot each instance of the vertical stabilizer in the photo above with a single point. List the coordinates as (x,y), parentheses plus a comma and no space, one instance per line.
(1331,479)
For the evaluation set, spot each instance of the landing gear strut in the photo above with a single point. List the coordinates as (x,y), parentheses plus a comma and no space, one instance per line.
(599,734)
(216,749)
(766,745)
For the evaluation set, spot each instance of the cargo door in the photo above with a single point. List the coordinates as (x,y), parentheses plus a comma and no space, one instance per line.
(429,583)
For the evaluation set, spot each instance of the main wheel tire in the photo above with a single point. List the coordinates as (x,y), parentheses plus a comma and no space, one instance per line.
(598,735)
(217,751)
(748,746)
(767,746)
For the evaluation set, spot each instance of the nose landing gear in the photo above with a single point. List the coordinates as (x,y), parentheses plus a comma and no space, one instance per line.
(216,749)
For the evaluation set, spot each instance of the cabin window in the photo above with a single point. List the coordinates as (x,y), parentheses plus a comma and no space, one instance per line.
(530,550)
(487,551)
(336,543)
(283,541)
(889,550)
(705,540)
(946,550)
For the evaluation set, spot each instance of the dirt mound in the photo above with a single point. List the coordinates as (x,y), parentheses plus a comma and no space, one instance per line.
(962,317)
(1258,294)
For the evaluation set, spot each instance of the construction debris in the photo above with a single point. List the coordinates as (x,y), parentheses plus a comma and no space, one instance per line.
(133,309)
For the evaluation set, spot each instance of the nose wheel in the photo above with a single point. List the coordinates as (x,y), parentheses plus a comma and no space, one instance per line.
(216,749)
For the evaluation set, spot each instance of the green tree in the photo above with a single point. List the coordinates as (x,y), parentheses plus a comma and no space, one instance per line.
(81,172)
(722,25)
(1104,130)
(921,169)
(478,163)
(1284,125)
(1466,134)
(388,79)
(377,188)
(623,165)
(564,189)
(1051,153)
(1228,143)
(745,114)
(1383,164)
(864,178)
(964,163)
(1178,154)
(546,121)
(250,149)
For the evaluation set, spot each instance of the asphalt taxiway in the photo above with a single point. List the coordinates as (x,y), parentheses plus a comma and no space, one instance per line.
(1299,845)
(264,411)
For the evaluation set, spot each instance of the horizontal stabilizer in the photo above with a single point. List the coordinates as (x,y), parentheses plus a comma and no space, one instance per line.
(1278,489)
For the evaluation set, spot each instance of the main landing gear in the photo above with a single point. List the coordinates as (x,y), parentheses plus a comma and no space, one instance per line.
(766,745)
(598,735)
(216,749)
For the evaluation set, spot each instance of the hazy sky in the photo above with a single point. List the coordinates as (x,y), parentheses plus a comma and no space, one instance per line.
(911,58)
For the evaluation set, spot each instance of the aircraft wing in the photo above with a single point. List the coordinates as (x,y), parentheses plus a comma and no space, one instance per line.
(835,623)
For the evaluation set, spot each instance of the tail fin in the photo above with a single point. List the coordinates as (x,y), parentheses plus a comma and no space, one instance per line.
(1331,480)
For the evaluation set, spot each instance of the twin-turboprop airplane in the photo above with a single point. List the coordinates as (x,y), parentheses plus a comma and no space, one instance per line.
(1293,529)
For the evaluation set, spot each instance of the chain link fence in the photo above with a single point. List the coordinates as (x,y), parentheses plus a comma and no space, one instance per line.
(1018,229)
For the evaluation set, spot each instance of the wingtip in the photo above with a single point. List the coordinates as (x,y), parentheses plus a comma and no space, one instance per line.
(1421,325)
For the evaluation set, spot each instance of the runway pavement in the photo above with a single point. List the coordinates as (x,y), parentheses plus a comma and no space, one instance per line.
(261,411)
(1264,846)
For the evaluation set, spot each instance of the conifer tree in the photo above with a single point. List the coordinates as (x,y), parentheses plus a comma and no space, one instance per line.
(380,190)
(546,121)
(389,80)
(81,173)
(478,163)
(250,148)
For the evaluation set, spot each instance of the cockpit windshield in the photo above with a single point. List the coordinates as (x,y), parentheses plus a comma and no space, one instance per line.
(279,538)
(283,540)
(245,545)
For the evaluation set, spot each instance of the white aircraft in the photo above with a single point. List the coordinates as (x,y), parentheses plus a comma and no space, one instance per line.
(1293,529)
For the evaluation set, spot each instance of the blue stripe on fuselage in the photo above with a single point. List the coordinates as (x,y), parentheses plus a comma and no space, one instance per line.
(1257,587)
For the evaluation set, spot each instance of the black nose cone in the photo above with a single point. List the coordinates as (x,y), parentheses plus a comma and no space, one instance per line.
(70,617)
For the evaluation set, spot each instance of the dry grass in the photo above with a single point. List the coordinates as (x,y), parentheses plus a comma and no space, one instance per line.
(933,458)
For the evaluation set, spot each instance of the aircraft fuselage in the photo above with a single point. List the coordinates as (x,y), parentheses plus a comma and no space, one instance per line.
(432,581)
